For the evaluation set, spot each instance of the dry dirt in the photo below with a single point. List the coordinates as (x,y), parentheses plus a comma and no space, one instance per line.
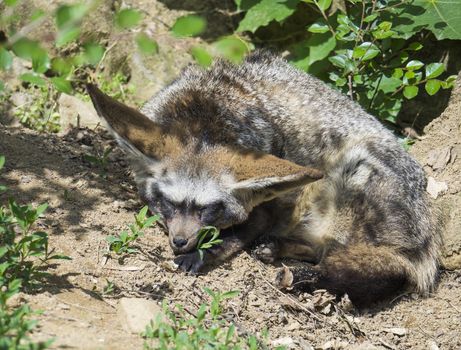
(85,208)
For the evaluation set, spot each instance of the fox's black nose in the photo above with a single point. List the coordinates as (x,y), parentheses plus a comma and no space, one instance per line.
(179,242)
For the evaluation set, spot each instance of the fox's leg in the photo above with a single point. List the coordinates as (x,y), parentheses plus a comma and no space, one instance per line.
(365,272)
(234,240)
(277,248)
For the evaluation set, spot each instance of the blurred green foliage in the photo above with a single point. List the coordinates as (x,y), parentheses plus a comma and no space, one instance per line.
(366,48)
(369,49)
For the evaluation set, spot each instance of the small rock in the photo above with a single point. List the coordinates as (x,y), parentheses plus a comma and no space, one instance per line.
(397,331)
(432,345)
(293,326)
(439,158)
(435,188)
(136,313)
(285,341)
(334,344)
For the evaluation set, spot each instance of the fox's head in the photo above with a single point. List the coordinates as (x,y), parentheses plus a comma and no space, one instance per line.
(190,182)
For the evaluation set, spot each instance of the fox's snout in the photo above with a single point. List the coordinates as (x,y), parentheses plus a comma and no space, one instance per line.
(183,233)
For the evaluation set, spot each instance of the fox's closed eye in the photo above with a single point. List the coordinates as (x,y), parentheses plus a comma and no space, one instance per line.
(211,212)
(168,207)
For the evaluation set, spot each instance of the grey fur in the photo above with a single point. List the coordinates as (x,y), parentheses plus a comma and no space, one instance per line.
(372,194)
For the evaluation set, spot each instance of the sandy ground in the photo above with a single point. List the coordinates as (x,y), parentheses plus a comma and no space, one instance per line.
(85,208)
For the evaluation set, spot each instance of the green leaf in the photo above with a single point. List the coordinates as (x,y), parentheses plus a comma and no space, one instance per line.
(68,15)
(433,70)
(127,18)
(230,294)
(410,91)
(323,4)
(318,27)
(432,86)
(62,85)
(61,66)
(67,35)
(439,16)
(25,48)
(414,65)
(40,61)
(365,51)
(449,82)
(33,79)
(201,56)
(37,14)
(266,11)
(338,61)
(10,2)
(59,257)
(232,48)
(5,59)
(146,45)
(398,73)
(93,53)
(41,209)
(191,25)
(370,18)
(315,49)
(415,46)
(2,161)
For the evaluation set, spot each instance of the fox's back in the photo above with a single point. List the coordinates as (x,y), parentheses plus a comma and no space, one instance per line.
(266,105)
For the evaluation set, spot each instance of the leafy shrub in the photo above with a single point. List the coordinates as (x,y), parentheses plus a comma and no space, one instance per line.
(175,329)
(122,243)
(366,49)
(369,49)
(24,258)
(41,113)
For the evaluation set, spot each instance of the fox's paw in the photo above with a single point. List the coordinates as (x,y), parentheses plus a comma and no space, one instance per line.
(190,262)
(304,278)
(266,252)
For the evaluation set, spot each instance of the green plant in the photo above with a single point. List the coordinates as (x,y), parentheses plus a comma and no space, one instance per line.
(16,323)
(208,329)
(41,112)
(122,244)
(24,257)
(24,254)
(208,237)
(364,49)
(100,160)
(110,288)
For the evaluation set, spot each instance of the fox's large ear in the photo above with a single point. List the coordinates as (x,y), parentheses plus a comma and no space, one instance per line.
(262,177)
(133,130)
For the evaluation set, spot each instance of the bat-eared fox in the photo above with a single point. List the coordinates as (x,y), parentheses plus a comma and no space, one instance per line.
(262,148)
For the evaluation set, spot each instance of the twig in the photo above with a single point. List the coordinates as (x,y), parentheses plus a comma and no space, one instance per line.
(301,306)
(326,18)
(110,47)
(351,91)
(126,268)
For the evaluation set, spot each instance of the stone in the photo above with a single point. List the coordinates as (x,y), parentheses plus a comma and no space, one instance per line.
(438,158)
(435,188)
(397,331)
(285,341)
(136,313)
